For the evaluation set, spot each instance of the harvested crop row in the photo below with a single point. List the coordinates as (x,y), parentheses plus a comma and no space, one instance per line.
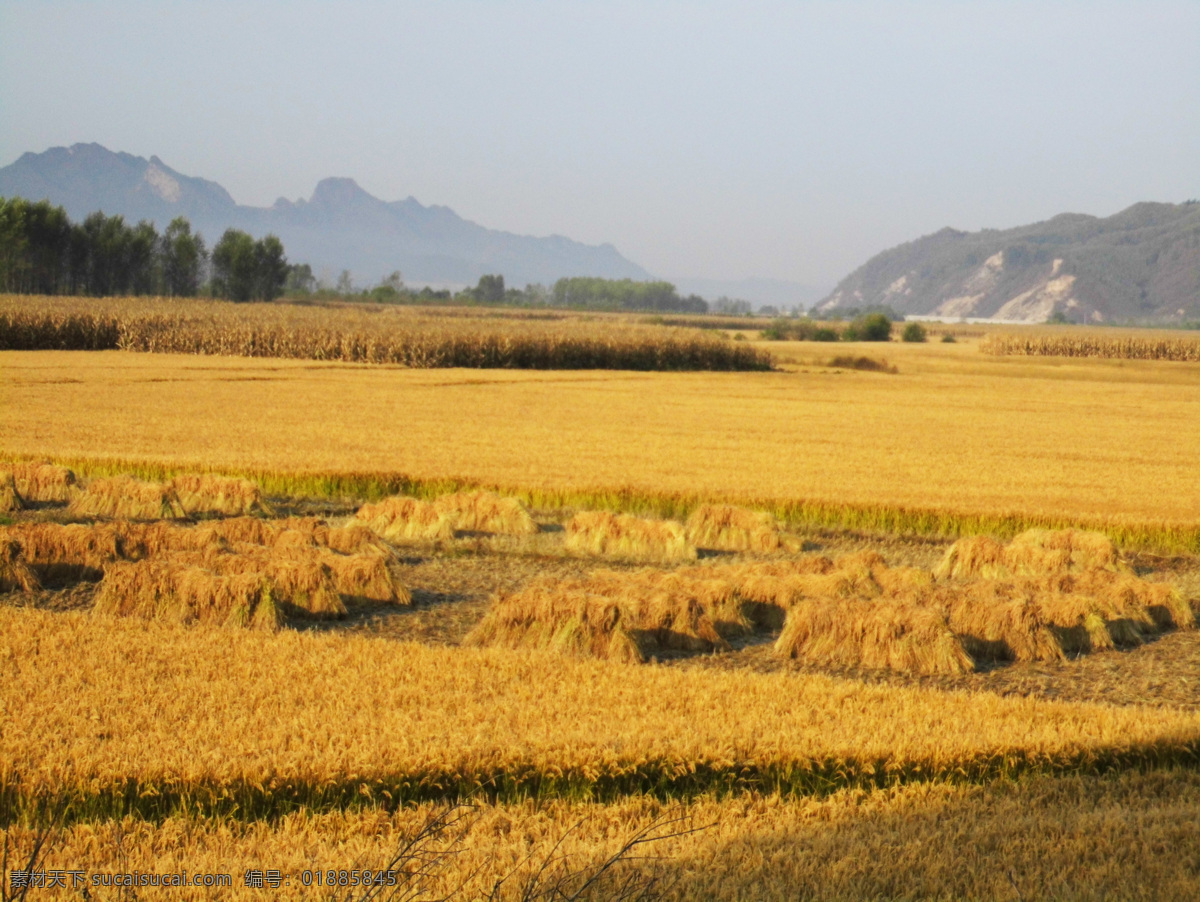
(126,498)
(241,570)
(855,611)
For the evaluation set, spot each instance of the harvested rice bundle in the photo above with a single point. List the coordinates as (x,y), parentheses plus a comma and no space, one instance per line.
(44,482)
(401,519)
(166,589)
(247,530)
(10,498)
(299,531)
(904,637)
(138,540)
(61,553)
(1081,627)
(487,512)
(728,528)
(974,556)
(354,577)
(569,621)
(603,615)
(365,577)
(357,540)
(622,536)
(705,611)
(207,494)
(1035,552)
(1157,606)
(996,622)
(301,584)
(1038,551)
(672,619)
(15,574)
(126,498)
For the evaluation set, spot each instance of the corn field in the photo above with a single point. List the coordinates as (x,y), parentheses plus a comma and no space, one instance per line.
(1111,348)
(351,334)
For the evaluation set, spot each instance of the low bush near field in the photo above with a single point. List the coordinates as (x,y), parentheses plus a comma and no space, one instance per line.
(866,364)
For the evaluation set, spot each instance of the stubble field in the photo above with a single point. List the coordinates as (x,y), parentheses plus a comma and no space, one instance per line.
(156,746)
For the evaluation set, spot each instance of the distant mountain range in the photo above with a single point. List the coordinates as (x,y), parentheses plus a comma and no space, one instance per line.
(340,227)
(1143,264)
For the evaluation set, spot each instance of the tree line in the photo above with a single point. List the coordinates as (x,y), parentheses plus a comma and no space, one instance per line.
(43,252)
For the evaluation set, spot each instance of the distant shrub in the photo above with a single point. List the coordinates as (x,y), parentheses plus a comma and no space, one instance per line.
(872,327)
(798,330)
(914,332)
(948,339)
(850,362)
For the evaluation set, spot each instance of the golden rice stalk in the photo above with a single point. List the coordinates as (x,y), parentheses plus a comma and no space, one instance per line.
(728,528)
(15,574)
(880,635)
(622,536)
(125,498)
(401,519)
(44,482)
(487,512)
(10,498)
(365,577)
(569,621)
(165,589)
(206,494)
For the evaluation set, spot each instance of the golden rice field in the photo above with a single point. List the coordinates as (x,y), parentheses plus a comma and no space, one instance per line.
(957,437)
(1129,837)
(347,657)
(121,715)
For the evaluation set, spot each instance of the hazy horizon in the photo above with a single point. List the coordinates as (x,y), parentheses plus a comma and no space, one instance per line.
(706,141)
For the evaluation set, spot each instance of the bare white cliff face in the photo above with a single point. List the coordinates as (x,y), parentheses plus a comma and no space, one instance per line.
(162,184)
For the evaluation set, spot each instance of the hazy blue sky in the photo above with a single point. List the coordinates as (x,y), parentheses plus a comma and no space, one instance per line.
(724,140)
